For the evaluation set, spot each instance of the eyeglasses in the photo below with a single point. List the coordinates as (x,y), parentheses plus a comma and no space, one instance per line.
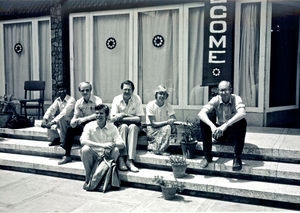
(162,93)
(85,90)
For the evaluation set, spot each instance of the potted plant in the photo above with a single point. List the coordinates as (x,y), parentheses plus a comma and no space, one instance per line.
(7,109)
(179,165)
(168,188)
(190,136)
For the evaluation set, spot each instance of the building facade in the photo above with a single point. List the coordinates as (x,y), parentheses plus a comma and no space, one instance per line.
(189,46)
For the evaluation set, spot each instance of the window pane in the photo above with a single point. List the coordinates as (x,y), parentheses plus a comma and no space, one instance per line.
(158,53)
(79,52)
(111,55)
(284,53)
(44,57)
(249,53)
(198,94)
(18,66)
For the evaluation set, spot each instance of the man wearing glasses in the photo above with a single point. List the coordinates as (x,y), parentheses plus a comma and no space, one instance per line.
(84,112)
(126,113)
(223,119)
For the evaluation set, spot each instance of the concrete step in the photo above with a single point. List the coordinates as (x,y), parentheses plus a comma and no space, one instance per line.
(273,171)
(261,142)
(32,133)
(280,144)
(194,183)
(39,133)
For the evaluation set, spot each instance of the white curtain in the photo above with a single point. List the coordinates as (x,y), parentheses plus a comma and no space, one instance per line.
(18,67)
(158,65)
(198,94)
(111,66)
(79,53)
(44,57)
(249,54)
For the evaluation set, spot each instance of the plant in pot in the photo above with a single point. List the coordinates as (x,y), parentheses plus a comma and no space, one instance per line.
(190,136)
(7,109)
(179,165)
(169,188)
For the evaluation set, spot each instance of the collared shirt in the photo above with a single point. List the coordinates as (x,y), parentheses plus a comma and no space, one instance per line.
(224,111)
(61,108)
(83,109)
(160,113)
(109,133)
(134,106)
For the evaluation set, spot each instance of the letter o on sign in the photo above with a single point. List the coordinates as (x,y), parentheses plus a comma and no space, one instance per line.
(218,27)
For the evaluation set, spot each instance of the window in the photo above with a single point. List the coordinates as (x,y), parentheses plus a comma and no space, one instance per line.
(147,45)
(158,43)
(284,54)
(26,50)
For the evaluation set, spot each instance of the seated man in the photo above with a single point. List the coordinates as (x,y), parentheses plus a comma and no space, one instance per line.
(126,113)
(230,123)
(160,118)
(100,139)
(84,112)
(58,116)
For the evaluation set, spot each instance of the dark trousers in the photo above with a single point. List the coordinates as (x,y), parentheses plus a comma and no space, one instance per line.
(72,137)
(235,134)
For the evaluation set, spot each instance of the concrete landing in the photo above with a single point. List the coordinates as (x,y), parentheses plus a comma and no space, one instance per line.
(193,182)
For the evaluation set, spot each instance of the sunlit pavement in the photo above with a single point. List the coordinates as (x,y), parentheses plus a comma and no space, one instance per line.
(25,192)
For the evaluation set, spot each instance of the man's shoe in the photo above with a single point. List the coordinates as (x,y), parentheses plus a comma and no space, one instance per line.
(237,164)
(204,163)
(131,166)
(55,142)
(122,166)
(65,159)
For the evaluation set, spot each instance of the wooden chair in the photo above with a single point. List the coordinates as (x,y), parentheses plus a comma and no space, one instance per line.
(33,103)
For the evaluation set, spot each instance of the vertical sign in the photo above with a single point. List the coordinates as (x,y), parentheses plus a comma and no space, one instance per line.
(218,37)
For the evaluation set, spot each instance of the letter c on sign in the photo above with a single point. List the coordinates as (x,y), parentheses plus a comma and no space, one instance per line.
(213,14)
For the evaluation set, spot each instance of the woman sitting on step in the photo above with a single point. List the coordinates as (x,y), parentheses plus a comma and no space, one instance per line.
(160,118)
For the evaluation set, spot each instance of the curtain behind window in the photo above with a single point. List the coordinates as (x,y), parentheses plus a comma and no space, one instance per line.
(18,67)
(198,94)
(44,57)
(111,66)
(79,53)
(158,65)
(249,54)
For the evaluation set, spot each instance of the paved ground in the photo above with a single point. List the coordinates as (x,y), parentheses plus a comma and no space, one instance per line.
(24,192)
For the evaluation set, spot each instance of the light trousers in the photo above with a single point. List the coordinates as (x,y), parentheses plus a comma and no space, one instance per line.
(129,134)
(89,157)
(58,130)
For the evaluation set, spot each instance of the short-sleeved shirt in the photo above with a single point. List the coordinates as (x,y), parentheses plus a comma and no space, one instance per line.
(83,109)
(109,133)
(160,113)
(134,106)
(224,112)
(61,109)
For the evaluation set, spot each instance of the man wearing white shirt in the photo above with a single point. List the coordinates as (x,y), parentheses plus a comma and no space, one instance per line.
(100,139)
(126,113)
(84,112)
(58,116)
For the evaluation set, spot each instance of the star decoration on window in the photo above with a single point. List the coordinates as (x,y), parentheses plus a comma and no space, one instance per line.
(18,48)
(111,43)
(216,72)
(158,41)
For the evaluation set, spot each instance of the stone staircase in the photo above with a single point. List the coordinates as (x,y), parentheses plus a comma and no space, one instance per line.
(270,174)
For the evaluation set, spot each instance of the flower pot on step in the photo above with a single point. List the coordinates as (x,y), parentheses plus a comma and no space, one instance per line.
(179,170)
(168,192)
(188,149)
